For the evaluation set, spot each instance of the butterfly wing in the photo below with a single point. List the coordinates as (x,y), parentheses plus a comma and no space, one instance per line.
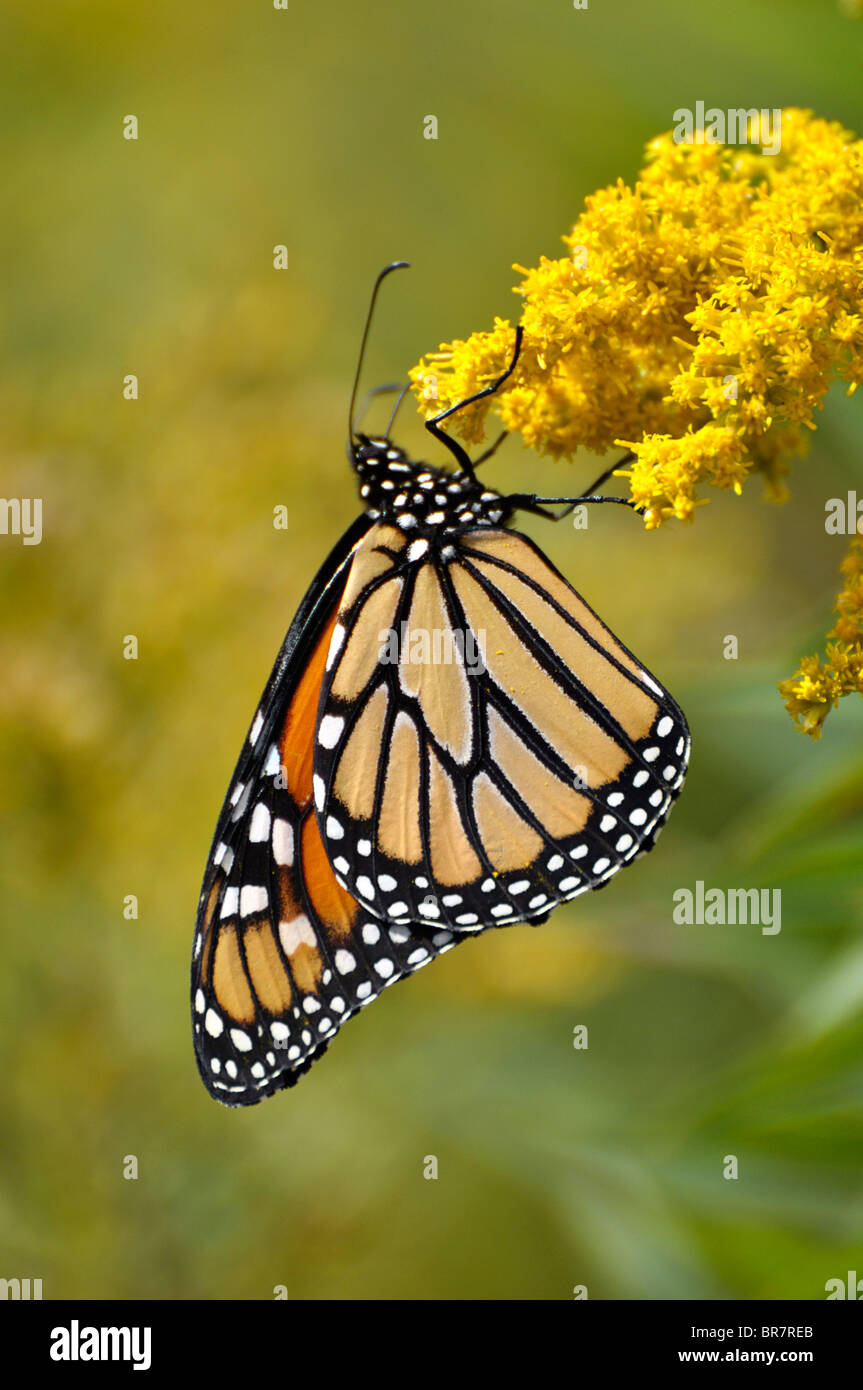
(283,954)
(483,781)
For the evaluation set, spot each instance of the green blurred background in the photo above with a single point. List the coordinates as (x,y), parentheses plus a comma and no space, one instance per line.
(557,1167)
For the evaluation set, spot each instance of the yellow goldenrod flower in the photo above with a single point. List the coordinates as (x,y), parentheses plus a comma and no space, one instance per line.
(700,317)
(697,321)
(817,687)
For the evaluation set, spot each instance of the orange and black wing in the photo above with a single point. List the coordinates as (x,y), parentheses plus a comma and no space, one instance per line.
(283,953)
(486,748)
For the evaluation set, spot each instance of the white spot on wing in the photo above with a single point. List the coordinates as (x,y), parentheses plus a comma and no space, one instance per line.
(296,933)
(651,683)
(213,1024)
(253,898)
(330,730)
(283,841)
(336,641)
(260,826)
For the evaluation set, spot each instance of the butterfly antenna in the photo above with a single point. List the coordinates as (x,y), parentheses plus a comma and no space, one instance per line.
(396,265)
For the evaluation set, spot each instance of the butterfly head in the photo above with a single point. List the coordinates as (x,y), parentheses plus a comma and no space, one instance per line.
(414,495)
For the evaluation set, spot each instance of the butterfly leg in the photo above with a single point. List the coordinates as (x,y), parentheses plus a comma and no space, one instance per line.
(530,502)
(456,449)
(387,390)
(492,450)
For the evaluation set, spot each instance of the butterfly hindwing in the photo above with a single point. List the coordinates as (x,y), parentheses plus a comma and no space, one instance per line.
(486,748)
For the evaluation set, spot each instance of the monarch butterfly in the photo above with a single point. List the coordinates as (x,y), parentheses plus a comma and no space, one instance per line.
(386,806)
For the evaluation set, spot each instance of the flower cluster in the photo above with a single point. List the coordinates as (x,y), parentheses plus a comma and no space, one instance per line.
(697,321)
(818,685)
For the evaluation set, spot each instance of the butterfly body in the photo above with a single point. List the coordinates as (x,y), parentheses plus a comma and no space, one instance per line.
(450,740)
(420,499)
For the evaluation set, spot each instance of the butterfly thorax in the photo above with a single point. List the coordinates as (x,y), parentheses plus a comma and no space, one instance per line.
(418,496)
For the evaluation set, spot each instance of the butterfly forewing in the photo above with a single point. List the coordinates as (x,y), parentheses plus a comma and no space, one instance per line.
(486,748)
(283,953)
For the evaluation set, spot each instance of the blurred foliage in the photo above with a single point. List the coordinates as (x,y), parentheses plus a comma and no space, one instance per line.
(557,1167)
